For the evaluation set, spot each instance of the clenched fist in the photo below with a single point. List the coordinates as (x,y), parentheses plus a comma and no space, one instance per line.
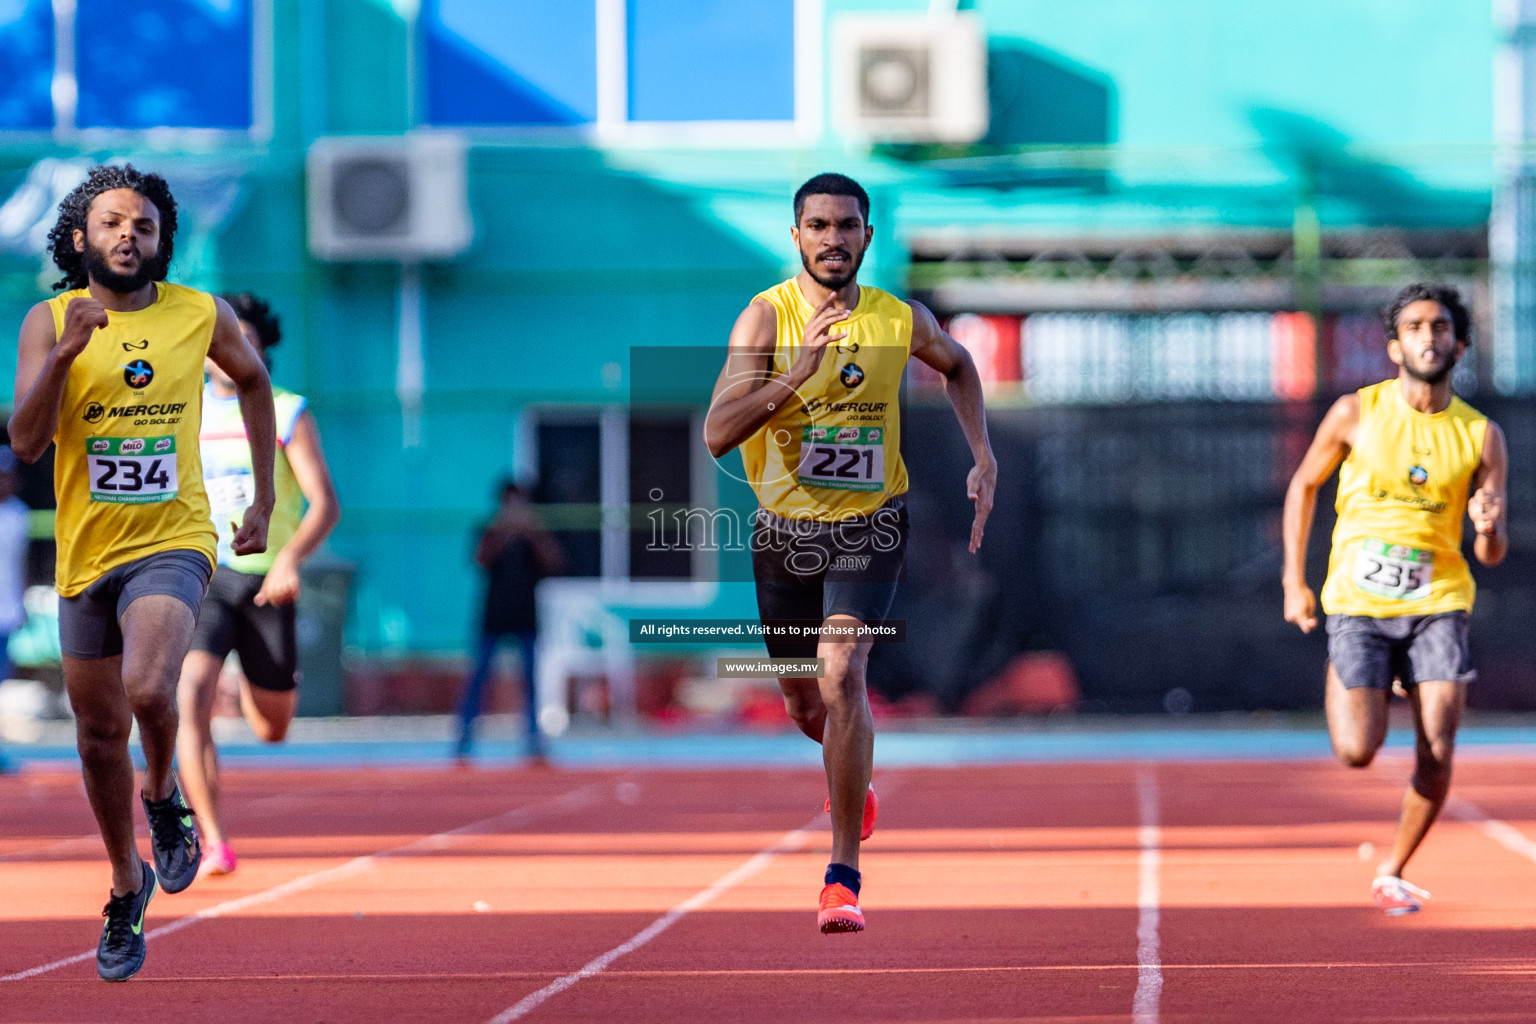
(1301,607)
(82,318)
(1484,507)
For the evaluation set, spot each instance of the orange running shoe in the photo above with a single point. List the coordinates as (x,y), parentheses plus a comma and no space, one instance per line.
(839,910)
(871,811)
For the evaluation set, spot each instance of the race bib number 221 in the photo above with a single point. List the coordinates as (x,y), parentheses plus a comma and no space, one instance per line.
(843,458)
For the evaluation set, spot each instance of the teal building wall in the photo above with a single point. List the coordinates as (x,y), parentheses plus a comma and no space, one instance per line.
(1169,115)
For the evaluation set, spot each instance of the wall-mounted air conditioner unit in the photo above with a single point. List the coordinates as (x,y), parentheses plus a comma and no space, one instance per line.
(909,77)
(400,199)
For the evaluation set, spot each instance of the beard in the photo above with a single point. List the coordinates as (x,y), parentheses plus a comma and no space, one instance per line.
(1429,376)
(101,272)
(832,281)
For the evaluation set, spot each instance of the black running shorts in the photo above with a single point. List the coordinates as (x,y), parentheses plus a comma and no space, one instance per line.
(810,571)
(90,622)
(264,636)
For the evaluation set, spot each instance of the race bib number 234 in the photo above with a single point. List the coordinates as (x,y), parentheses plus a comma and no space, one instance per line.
(131,470)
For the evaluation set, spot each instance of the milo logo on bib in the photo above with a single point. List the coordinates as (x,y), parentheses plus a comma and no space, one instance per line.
(1393,570)
(131,470)
(842,458)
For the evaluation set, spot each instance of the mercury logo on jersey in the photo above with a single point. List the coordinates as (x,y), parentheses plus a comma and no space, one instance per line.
(94,412)
(816,405)
(160,409)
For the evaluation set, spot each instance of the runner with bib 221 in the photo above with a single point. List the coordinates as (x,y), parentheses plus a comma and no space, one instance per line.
(810,394)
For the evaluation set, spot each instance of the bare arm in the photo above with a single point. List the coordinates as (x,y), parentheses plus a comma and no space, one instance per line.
(1486,505)
(234,355)
(748,391)
(962,385)
(307,460)
(1335,436)
(42,370)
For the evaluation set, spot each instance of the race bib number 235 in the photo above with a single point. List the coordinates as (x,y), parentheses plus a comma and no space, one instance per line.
(1393,570)
(131,470)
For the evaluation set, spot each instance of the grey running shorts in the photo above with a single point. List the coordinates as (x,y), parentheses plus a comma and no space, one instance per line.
(1410,648)
(89,622)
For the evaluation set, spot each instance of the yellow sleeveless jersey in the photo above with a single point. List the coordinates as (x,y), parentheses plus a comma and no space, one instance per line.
(1402,498)
(127,474)
(835,452)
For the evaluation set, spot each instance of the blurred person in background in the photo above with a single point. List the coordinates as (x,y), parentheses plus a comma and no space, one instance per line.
(15,537)
(1416,459)
(111,371)
(515,552)
(250,604)
(810,392)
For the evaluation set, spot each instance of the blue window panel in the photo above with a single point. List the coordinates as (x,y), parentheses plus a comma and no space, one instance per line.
(510,62)
(166,63)
(26,57)
(711,60)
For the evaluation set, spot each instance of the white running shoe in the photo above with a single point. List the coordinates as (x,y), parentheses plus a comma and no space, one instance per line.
(1395,896)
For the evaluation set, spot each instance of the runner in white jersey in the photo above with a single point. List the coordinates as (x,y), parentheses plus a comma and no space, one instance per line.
(249,607)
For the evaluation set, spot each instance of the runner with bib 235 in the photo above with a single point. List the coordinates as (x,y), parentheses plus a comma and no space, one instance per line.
(1416,461)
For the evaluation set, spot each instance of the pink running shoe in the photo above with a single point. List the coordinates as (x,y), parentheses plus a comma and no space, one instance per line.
(871,811)
(1396,896)
(218,859)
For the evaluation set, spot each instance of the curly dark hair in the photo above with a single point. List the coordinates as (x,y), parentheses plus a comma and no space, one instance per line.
(258,313)
(1446,295)
(75,206)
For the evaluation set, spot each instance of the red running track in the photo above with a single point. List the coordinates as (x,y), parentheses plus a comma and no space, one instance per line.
(993,894)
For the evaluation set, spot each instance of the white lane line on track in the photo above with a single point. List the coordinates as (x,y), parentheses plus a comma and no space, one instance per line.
(1503,833)
(788,842)
(571,801)
(94,839)
(1149,974)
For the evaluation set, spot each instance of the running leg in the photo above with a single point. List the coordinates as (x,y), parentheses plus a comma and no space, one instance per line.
(157,630)
(196,756)
(103,721)
(269,712)
(848,735)
(802,699)
(1357,720)
(1437,708)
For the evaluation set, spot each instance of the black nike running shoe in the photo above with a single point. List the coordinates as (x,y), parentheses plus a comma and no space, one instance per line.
(174,840)
(120,953)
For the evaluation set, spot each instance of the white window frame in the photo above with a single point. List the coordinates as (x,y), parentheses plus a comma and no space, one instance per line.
(66,93)
(613,127)
(613,461)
